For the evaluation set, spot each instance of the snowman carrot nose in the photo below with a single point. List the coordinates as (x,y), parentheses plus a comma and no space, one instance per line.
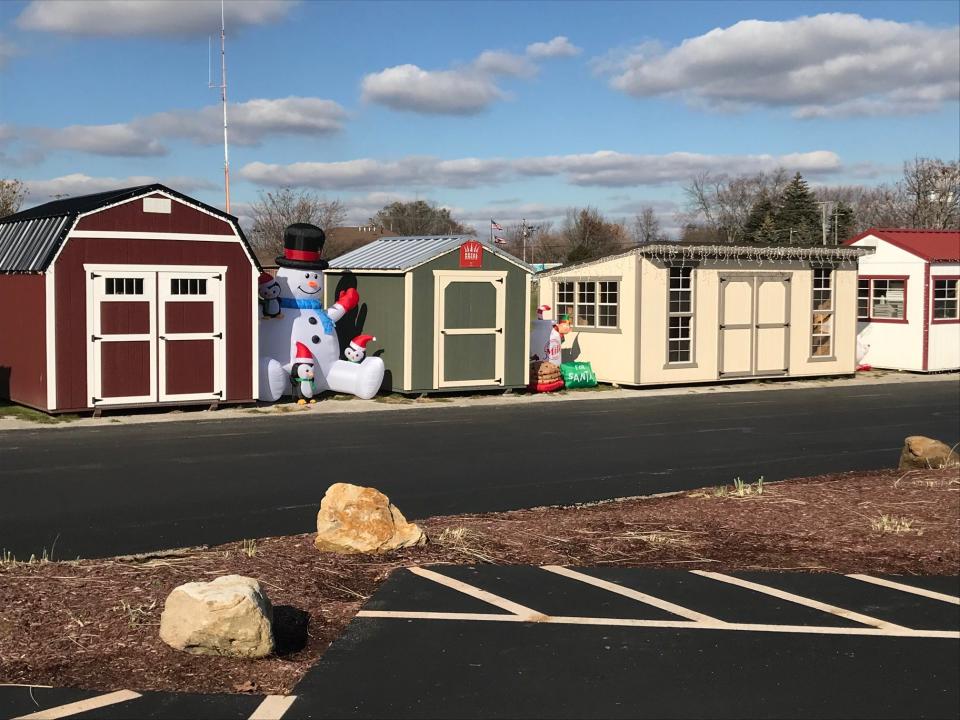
(312,283)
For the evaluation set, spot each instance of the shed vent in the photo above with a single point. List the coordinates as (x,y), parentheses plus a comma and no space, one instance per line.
(156,205)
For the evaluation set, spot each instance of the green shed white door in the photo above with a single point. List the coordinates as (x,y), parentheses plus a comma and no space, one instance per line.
(470,311)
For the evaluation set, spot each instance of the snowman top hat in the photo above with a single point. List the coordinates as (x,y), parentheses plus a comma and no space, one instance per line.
(303,355)
(360,342)
(302,245)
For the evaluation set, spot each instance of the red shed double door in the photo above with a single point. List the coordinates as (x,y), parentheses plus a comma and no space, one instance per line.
(155,335)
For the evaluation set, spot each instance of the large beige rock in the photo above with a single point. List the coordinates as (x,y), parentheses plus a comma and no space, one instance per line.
(227,616)
(354,519)
(921,453)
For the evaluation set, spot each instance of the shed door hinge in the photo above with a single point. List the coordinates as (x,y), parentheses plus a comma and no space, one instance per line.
(219,394)
(93,276)
(500,330)
(218,276)
(219,336)
(94,338)
(94,401)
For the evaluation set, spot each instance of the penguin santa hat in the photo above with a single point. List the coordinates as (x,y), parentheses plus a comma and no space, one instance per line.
(304,356)
(360,342)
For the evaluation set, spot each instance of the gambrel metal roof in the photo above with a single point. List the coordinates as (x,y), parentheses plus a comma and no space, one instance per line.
(29,239)
(408,251)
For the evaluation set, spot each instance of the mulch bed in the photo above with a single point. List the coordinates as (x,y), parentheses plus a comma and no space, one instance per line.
(93,623)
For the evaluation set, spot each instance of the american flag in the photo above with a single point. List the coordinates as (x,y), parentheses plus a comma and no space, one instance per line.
(494,225)
(499,240)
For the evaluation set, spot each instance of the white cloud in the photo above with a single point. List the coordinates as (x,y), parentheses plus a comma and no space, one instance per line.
(250,123)
(466,90)
(826,65)
(559,46)
(443,92)
(500,62)
(118,139)
(146,17)
(41,191)
(602,168)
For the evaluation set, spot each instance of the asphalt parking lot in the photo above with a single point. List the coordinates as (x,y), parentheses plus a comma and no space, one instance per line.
(511,642)
(557,642)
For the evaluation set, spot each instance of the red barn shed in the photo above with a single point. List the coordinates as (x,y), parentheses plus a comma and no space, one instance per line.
(140,296)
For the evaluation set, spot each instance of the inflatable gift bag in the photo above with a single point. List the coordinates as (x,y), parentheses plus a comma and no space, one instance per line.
(578,375)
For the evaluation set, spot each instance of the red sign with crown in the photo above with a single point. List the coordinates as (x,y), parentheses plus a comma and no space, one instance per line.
(471,254)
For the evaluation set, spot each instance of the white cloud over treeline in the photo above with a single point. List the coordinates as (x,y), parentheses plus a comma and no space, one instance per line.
(146,17)
(601,168)
(829,65)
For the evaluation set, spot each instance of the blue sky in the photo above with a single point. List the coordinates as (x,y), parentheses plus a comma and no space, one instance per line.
(493,109)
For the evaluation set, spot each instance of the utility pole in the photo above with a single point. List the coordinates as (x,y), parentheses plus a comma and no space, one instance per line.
(823,220)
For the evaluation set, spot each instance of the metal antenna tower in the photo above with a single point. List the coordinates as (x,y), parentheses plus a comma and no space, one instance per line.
(223,100)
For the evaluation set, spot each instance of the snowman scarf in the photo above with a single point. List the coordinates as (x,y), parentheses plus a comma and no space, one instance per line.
(315,305)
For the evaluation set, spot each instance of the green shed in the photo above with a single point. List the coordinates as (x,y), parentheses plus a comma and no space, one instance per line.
(448,312)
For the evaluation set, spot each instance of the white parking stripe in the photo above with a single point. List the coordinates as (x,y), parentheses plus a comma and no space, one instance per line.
(633,595)
(80,706)
(800,600)
(487,597)
(273,707)
(907,588)
(676,624)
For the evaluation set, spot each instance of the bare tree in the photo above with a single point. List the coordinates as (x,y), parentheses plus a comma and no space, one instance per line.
(273,211)
(721,205)
(12,195)
(932,189)
(646,227)
(419,217)
(587,234)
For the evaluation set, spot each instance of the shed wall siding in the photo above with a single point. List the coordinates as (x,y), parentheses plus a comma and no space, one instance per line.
(181,219)
(517,322)
(611,353)
(897,346)
(71,297)
(944,341)
(23,365)
(380,314)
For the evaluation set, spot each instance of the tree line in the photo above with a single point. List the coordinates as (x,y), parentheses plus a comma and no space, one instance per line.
(764,208)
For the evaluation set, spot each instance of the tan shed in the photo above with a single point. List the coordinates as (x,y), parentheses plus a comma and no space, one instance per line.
(678,313)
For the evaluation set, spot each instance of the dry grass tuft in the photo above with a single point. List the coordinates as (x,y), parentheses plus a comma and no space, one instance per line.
(893,524)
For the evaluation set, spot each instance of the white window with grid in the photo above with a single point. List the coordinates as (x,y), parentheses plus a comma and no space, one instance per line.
(882,299)
(680,316)
(608,305)
(946,305)
(821,343)
(586,313)
(564,300)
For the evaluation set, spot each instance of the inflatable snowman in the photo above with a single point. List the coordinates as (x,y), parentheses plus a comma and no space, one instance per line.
(304,320)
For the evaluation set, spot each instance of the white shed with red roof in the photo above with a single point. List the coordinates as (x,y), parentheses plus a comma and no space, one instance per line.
(908,316)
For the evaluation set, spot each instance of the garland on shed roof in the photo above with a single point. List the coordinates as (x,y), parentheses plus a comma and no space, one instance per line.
(752,253)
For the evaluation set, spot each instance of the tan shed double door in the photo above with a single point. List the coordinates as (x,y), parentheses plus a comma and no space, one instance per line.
(155,336)
(754,324)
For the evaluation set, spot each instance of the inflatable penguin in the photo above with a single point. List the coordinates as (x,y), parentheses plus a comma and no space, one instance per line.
(302,374)
(269,291)
(357,349)
(305,320)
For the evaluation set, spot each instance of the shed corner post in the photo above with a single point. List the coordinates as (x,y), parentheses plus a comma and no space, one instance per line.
(50,331)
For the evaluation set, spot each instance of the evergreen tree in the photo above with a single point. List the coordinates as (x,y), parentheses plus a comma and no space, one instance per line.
(798,212)
(767,232)
(761,216)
